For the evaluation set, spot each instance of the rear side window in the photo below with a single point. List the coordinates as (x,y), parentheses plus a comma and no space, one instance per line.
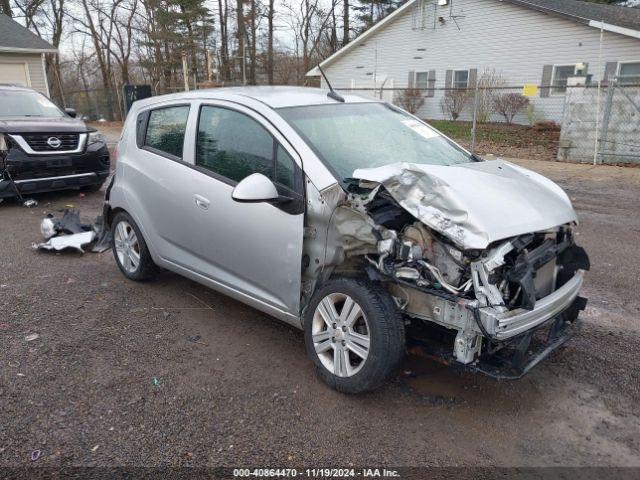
(233,145)
(166,129)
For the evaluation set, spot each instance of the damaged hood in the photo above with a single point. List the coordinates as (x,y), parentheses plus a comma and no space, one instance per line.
(475,204)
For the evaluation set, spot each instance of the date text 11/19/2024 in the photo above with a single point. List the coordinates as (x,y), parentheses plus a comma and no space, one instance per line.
(316,472)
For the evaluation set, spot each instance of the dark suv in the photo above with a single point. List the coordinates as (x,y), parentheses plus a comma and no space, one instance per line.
(50,149)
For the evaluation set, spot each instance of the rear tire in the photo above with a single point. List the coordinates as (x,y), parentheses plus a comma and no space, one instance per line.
(130,250)
(358,349)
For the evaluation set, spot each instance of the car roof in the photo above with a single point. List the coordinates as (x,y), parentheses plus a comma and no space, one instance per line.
(273,96)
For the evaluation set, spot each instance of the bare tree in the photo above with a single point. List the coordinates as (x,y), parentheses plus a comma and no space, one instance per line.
(241,36)
(5,7)
(223,58)
(345,22)
(454,101)
(509,104)
(46,19)
(270,16)
(489,83)
(308,21)
(410,99)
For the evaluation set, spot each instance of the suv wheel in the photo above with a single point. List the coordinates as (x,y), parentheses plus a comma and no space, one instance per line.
(130,250)
(354,333)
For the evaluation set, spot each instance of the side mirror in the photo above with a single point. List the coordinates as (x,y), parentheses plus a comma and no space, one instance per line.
(71,112)
(255,188)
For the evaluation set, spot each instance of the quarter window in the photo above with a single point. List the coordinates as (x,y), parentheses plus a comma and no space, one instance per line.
(166,129)
(461,79)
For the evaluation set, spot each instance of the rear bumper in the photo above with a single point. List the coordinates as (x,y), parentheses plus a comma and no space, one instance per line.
(504,325)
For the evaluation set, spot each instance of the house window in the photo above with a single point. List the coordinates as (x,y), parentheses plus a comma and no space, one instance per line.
(422,80)
(629,73)
(461,79)
(561,73)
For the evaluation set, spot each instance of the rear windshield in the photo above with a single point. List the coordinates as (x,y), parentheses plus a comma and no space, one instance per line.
(27,104)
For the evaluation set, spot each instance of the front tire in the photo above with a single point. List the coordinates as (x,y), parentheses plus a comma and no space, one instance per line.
(130,250)
(354,334)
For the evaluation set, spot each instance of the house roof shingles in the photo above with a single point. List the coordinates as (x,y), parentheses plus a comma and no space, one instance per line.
(625,17)
(14,36)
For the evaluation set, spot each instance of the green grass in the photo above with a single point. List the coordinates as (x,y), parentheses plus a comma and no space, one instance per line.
(496,133)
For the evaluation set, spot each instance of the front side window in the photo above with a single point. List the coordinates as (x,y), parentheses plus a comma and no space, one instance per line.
(166,129)
(232,144)
(629,73)
(349,136)
(461,79)
(285,169)
(561,74)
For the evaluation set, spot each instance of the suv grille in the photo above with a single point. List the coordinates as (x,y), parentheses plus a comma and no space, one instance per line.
(45,142)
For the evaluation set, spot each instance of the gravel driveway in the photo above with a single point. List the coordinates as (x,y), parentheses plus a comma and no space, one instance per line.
(169,373)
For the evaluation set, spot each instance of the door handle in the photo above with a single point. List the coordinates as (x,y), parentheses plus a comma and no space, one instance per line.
(202,202)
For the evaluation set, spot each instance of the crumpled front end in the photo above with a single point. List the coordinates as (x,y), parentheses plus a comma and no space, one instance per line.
(487,283)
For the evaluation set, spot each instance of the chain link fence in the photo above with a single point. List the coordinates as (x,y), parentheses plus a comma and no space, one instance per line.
(587,124)
(594,124)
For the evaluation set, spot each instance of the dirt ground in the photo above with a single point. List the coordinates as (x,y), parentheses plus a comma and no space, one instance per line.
(116,376)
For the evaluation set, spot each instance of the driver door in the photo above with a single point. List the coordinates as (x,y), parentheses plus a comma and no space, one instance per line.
(252,250)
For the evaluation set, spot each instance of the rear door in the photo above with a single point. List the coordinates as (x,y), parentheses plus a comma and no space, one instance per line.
(254,249)
(156,175)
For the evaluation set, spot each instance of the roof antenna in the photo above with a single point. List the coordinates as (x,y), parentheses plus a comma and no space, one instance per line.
(332,93)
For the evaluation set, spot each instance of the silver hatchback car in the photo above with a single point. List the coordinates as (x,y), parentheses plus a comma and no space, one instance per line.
(352,220)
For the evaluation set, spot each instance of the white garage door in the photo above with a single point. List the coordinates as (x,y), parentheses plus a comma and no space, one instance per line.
(14,74)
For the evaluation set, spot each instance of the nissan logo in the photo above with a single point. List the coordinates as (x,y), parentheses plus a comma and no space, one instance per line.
(54,142)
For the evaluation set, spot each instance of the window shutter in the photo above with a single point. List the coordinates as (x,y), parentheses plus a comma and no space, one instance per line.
(448,79)
(545,84)
(411,81)
(432,83)
(473,78)
(610,70)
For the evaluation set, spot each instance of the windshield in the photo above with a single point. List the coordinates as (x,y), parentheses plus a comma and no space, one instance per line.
(27,104)
(366,135)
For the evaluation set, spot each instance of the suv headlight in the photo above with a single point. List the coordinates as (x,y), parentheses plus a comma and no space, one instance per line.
(96,137)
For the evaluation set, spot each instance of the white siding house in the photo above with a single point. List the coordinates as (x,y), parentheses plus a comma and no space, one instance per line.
(449,43)
(22,59)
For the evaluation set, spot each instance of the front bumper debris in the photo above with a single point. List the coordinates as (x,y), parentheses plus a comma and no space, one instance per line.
(519,357)
(504,325)
(510,360)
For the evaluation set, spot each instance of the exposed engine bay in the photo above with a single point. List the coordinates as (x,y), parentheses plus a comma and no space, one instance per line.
(485,297)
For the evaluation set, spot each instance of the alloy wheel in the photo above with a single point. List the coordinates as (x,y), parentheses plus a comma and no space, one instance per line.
(341,335)
(127,246)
